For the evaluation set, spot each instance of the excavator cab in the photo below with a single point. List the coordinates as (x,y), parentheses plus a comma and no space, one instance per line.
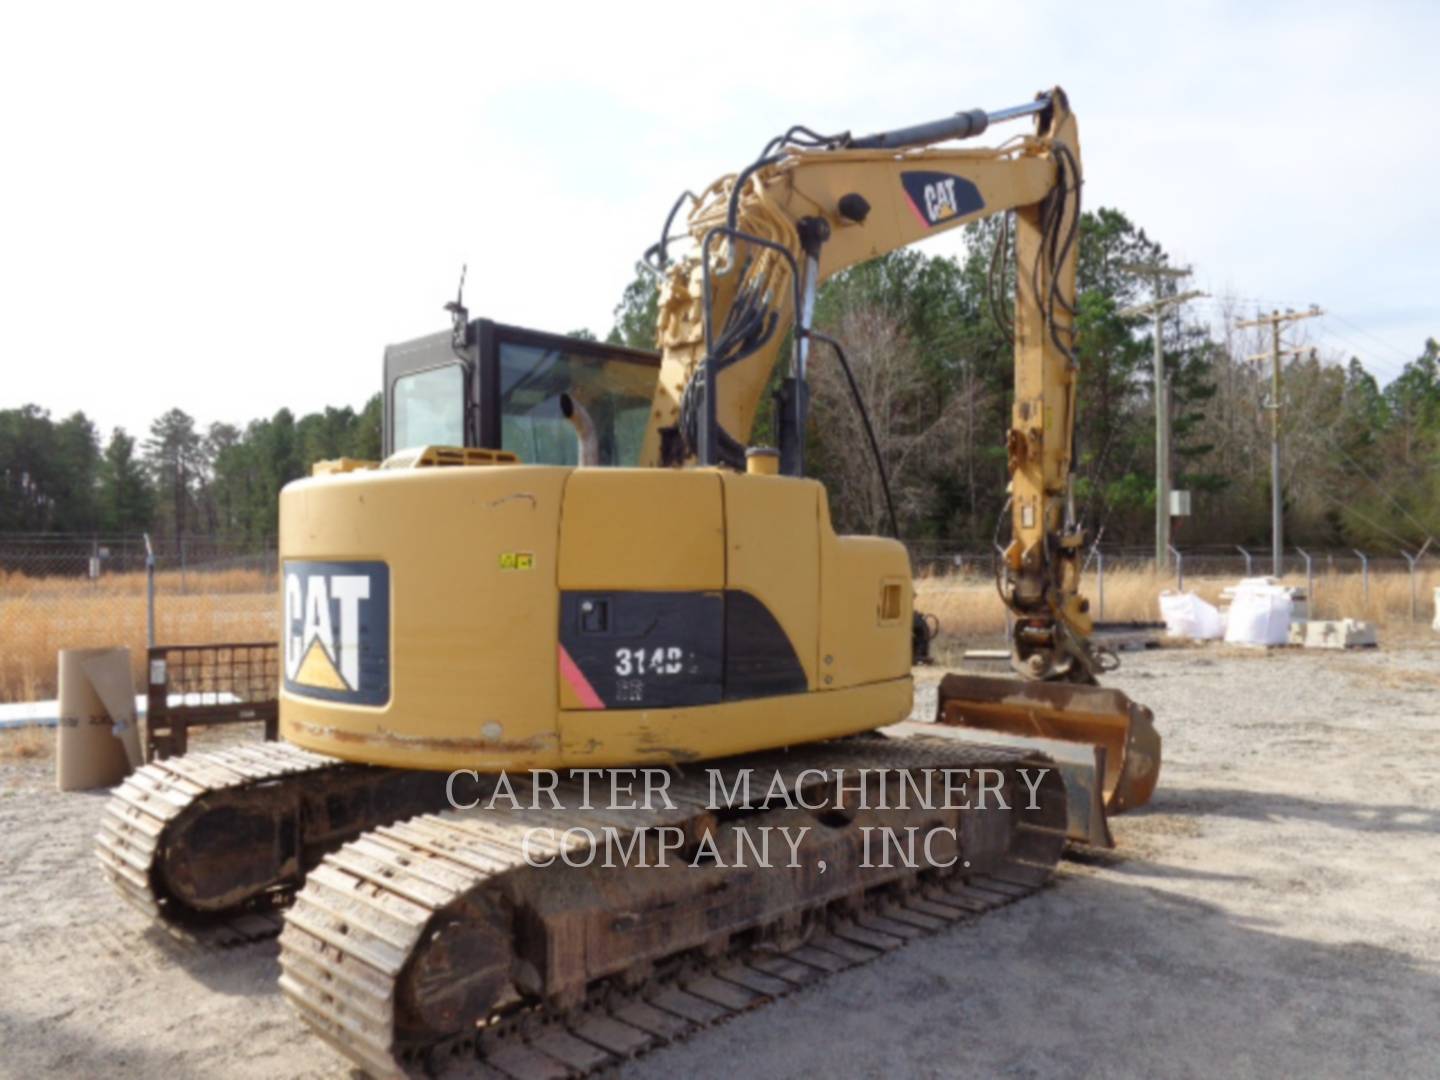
(484,384)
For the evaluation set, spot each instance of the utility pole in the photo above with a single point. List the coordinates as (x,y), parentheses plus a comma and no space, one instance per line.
(1276,320)
(1157,308)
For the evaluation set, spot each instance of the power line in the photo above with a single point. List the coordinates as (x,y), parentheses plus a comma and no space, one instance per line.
(1272,303)
(1398,357)
(1157,308)
(1275,321)
(1365,349)
(1368,357)
(1385,367)
(1407,357)
(1424,529)
(1368,521)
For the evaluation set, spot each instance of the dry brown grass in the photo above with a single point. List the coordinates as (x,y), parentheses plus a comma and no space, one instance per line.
(14,584)
(968,607)
(41,616)
(18,744)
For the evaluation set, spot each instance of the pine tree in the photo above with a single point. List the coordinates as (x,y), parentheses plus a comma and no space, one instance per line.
(175,455)
(125,499)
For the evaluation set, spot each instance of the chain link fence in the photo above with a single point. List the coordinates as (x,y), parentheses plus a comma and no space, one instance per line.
(66,592)
(1123,584)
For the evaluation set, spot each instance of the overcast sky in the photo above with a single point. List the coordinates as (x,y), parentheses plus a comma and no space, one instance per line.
(233,209)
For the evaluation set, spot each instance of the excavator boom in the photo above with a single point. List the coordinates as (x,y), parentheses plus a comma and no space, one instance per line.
(763,241)
(765,238)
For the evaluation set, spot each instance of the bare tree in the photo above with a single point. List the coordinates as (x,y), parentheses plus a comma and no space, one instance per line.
(919,438)
(1237,424)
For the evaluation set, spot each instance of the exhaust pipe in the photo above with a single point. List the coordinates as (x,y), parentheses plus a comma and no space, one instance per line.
(585,437)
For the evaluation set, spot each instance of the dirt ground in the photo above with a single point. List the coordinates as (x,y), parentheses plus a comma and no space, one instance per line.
(1275,912)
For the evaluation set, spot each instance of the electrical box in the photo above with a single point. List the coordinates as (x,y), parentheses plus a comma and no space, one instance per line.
(1179,504)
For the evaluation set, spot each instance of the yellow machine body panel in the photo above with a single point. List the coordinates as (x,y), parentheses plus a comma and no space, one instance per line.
(772,549)
(523,616)
(469,560)
(642,529)
(654,737)
(866,601)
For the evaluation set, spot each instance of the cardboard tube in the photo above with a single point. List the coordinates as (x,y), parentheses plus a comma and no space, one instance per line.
(91,742)
(110,674)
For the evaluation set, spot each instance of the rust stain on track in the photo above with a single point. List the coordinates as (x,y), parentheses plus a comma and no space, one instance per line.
(436,936)
(210,845)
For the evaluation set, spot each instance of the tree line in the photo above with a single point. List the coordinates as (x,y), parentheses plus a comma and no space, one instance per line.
(933,358)
(221,482)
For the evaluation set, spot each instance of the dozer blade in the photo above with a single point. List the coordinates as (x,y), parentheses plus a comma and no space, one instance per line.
(1065,712)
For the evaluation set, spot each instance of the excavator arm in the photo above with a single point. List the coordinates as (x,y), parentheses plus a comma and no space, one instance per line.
(808,208)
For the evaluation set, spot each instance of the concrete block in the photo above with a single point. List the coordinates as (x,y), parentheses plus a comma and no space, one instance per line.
(1340,634)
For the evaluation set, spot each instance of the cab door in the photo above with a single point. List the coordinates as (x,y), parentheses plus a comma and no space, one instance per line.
(430,388)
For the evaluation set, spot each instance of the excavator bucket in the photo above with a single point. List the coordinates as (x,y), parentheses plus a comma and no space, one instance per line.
(1118,758)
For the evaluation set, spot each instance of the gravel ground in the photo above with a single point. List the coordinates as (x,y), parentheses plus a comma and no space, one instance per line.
(1274,912)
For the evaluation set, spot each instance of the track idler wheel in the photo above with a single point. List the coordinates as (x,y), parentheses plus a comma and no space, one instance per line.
(465,969)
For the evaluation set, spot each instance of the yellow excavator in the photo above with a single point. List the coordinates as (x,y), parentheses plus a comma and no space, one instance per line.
(571,559)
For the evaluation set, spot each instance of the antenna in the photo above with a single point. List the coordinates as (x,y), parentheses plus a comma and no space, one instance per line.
(459,314)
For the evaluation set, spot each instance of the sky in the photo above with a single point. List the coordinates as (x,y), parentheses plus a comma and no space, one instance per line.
(234,208)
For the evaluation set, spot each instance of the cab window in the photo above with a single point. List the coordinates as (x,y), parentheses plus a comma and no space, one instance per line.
(616,391)
(430,408)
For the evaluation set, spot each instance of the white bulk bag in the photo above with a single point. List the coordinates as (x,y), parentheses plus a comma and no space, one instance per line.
(1187,616)
(1259,615)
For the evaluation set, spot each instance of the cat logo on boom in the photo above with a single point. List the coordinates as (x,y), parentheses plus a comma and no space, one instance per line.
(337,631)
(938,197)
